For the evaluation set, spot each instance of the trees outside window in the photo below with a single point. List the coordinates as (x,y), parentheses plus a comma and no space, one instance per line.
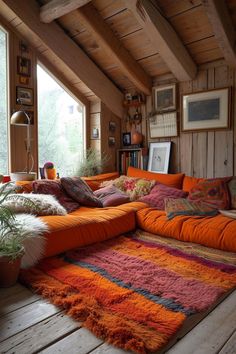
(60,126)
(3,103)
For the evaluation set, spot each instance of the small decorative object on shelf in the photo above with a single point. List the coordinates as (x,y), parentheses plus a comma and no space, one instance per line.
(135,100)
(49,170)
(135,157)
(126,139)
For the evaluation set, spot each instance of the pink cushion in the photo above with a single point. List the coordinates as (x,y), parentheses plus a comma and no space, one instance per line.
(111,196)
(55,188)
(156,199)
(77,189)
(212,192)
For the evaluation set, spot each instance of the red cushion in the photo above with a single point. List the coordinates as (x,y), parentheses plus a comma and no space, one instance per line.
(55,188)
(211,192)
(159,192)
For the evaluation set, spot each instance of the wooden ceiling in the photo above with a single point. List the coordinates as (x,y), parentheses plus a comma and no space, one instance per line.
(133,42)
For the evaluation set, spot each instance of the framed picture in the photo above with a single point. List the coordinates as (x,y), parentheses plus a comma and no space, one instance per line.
(95,133)
(159,156)
(163,125)
(25,95)
(209,110)
(126,139)
(165,98)
(23,66)
(112,126)
(111,140)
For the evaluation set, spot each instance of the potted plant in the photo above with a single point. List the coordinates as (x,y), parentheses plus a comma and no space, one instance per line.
(92,163)
(11,239)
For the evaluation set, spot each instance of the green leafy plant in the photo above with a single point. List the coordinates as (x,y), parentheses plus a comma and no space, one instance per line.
(11,238)
(93,163)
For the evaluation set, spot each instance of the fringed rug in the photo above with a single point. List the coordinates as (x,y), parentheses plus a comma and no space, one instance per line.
(133,292)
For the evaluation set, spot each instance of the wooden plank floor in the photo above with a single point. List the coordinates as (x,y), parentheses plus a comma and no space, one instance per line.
(30,325)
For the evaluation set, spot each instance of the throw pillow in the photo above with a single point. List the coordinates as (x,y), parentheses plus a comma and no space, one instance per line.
(38,204)
(211,192)
(111,196)
(156,198)
(135,188)
(80,191)
(175,207)
(232,191)
(55,188)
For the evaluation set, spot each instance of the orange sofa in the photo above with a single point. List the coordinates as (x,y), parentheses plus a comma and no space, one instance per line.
(89,225)
(216,232)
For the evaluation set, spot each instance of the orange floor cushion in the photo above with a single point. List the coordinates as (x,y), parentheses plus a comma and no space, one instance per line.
(216,232)
(88,225)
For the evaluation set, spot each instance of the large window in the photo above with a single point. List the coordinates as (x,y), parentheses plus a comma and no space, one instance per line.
(60,126)
(3,104)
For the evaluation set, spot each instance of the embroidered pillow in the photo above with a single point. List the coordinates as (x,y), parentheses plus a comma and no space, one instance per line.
(211,192)
(135,188)
(38,204)
(111,196)
(175,207)
(232,191)
(55,188)
(156,198)
(77,189)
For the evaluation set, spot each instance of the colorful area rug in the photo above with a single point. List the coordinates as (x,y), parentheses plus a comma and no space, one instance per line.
(133,292)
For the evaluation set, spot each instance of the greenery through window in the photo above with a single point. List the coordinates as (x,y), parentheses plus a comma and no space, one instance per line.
(60,126)
(3,104)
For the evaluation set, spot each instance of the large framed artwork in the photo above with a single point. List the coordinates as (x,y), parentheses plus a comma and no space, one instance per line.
(159,156)
(208,110)
(165,98)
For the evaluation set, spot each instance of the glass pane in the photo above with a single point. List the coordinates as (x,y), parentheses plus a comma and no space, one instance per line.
(60,126)
(3,104)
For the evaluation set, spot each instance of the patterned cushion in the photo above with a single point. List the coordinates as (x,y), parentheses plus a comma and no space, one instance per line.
(111,196)
(80,191)
(55,188)
(232,191)
(156,198)
(211,192)
(135,188)
(175,207)
(38,204)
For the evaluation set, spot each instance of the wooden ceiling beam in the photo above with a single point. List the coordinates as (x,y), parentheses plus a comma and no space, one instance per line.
(223,28)
(69,52)
(164,39)
(105,37)
(57,8)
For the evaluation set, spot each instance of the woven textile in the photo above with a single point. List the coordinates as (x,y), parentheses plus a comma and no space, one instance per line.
(132,293)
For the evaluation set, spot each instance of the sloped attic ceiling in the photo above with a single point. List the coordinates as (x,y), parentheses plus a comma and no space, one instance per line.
(132,42)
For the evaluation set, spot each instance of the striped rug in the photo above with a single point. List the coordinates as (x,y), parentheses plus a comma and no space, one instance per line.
(133,292)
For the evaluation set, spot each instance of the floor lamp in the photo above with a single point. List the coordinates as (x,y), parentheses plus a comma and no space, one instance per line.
(21,118)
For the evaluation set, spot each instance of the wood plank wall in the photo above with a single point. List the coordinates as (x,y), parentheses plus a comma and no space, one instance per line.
(100,116)
(204,154)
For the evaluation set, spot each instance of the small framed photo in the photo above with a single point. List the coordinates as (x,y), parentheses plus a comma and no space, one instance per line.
(126,139)
(23,66)
(208,110)
(112,126)
(159,157)
(25,96)
(111,140)
(95,133)
(165,98)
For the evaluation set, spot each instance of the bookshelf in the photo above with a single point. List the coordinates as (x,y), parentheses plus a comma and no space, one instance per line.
(135,157)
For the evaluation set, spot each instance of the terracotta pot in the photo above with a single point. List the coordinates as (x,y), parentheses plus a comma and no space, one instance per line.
(9,270)
(50,173)
(136,138)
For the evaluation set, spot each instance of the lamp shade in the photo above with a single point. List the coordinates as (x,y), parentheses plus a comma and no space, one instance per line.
(20,118)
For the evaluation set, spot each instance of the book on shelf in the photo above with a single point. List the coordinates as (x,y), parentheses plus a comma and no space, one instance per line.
(131,157)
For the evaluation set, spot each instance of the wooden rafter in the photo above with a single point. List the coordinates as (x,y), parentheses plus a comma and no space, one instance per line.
(57,8)
(69,52)
(105,37)
(223,28)
(164,39)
